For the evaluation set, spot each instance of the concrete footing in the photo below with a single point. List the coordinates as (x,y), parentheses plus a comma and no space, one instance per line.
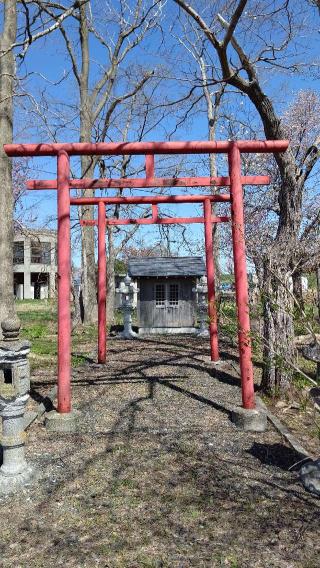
(249,420)
(62,422)
(10,484)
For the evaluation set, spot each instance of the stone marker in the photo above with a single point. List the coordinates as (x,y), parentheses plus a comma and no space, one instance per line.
(14,394)
(127,289)
(201,291)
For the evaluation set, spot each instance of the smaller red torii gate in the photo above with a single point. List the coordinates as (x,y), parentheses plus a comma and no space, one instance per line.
(208,219)
(63,184)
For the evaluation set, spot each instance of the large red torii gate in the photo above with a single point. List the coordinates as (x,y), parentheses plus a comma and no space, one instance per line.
(63,184)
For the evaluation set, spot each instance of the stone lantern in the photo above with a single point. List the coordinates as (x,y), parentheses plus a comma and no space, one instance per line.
(14,394)
(201,291)
(127,289)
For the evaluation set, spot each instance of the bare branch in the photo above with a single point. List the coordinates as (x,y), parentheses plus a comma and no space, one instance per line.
(234,21)
(208,33)
(58,21)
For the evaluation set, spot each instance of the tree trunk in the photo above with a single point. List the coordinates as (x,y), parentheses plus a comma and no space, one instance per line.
(212,116)
(318,290)
(297,288)
(318,298)
(89,278)
(277,300)
(7,78)
(278,332)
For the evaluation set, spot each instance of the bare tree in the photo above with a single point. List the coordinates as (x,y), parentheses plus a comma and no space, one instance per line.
(14,43)
(101,94)
(239,68)
(212,95)
(7,82)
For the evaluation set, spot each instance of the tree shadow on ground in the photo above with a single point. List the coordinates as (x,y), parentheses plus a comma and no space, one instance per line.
(136,371)
(168,340)
(199,398)
(277,455)
(172,489)
(41,399)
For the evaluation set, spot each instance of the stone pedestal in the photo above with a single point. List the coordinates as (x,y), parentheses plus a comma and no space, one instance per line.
(249,420)
(127,290)
(66,423)
(14,394)
(201,291)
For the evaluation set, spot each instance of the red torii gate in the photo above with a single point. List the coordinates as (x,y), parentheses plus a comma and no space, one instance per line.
(63,184)
(208,219)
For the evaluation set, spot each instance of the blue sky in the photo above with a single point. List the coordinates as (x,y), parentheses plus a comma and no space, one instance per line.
(47,58)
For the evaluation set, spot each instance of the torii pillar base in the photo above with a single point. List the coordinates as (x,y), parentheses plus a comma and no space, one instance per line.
(66,422)
(249,420)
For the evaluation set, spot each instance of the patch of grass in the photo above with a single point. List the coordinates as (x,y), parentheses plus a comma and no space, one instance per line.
(37,316)
(44,347)
(299,381)
(79,359)
(83,333)
(39,326)
(35,331)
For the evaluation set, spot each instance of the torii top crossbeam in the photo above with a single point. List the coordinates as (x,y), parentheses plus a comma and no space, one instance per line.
(142,148)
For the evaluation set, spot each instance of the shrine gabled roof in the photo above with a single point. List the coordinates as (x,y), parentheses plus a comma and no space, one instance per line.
(166,266)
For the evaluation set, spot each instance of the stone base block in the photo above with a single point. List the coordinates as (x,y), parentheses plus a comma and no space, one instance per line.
(249,420)
(62,422)
(204,333)
(207,359)
(129,335)
(10,484)
(215,362)
(310,476)
(167,330)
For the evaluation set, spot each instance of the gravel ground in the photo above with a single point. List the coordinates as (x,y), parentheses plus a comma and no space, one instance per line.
(157,475)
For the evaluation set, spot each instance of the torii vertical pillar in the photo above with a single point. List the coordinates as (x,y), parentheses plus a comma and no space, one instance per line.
(241,280)
(65,420)
(102,283)
(64,283)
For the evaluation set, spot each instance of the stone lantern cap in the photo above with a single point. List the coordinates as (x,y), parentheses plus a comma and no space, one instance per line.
(11,328)
(127,287)
(11,346)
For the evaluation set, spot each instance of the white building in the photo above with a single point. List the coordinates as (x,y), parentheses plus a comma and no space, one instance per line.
(35,264)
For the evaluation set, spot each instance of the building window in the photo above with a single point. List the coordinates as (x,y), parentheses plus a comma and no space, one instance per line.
(160,295)
(18,252)
(174,295)
(40,253)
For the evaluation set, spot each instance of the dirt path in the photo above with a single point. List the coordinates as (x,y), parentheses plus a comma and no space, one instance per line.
(158,476)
